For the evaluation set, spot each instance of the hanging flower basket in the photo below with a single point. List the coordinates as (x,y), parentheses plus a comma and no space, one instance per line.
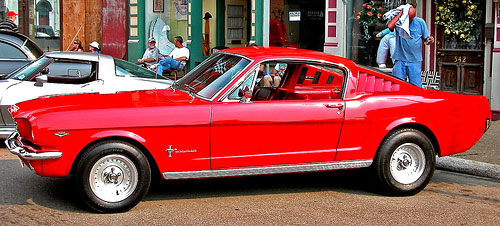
(458,18)
(369,16)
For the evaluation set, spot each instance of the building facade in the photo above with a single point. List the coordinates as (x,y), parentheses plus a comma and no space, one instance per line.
(467,66)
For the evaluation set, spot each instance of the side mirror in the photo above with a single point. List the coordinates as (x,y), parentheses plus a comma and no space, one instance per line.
(245,94)
(41,79)
(45,71)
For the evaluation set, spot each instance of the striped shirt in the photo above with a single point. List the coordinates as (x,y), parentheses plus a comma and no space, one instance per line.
(8,25)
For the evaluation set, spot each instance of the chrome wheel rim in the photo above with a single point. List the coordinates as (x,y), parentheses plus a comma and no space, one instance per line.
(407,163)
(113,178)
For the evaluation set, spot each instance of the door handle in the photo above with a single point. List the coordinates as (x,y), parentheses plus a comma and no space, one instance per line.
(340,106)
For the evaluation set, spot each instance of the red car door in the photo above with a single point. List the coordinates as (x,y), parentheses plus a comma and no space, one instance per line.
(275,132)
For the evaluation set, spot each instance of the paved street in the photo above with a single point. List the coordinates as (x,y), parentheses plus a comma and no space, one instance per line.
(345,197)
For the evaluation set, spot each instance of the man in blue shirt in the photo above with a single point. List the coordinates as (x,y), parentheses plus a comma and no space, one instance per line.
(408,53)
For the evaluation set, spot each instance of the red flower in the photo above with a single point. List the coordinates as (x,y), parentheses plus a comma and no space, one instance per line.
(380,7)
(359,13)
(364,5)
(369,7)
(379,15)
(369,14)
(357,18)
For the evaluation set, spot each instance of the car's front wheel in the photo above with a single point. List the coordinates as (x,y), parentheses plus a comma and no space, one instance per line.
(405,162)
(113,176)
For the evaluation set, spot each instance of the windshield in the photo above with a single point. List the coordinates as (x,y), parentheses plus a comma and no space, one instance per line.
(213,75)
(127,69)
(29,71)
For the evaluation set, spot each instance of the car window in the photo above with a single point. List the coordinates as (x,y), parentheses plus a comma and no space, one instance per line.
(33,49)
(70,71)
(298,81)
(127,69)
(237,94)
(213,75)
(8,51)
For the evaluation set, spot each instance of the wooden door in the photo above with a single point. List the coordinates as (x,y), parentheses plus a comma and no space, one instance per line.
(459,62)
(114,28)
(461,70)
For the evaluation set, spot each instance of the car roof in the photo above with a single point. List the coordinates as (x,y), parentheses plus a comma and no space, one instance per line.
(76,55)
(266,53)
(14,37)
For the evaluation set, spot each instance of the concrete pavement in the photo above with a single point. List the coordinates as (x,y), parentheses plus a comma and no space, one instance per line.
(483,159)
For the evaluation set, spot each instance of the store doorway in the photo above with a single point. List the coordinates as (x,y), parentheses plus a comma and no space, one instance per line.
(461,62)
(236,23)
(297,23)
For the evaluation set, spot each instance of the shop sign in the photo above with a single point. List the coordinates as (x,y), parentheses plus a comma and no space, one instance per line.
(294,16)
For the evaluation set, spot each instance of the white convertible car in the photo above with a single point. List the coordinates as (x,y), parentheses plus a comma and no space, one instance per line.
(70,72)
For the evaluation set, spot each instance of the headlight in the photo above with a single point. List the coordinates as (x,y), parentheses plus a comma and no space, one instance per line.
(24,128)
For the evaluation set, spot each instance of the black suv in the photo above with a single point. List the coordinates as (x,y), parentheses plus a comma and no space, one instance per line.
(16,50)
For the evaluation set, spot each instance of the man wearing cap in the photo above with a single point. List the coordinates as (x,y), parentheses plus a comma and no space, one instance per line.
(9,24)
(151,54)
(176,60)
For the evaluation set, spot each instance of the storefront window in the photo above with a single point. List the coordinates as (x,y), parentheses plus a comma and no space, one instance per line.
(47,24)
(362,43)
(6,6)
(297,23)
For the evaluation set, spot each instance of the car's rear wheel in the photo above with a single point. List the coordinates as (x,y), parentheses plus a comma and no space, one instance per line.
(405,162)
(113,176)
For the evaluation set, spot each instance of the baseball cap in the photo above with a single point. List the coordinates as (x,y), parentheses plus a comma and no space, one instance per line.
(11,13)
(151,39)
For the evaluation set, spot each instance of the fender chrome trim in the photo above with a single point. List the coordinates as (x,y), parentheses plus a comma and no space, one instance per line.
(268,170)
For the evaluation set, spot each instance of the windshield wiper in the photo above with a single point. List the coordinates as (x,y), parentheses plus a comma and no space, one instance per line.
(190,88)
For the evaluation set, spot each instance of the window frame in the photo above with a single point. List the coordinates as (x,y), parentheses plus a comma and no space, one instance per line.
(289,61)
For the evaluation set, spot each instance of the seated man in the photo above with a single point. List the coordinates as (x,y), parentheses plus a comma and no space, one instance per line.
(178,56)
(271,80)
(151,54)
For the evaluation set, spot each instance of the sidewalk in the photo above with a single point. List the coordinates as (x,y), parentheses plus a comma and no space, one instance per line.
(483,159)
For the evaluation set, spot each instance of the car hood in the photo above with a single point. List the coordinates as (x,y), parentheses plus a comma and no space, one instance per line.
(105,102)
(6,83)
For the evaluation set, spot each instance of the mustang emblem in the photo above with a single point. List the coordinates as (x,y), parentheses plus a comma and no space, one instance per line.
(61,134)
(170,150)
(13,109)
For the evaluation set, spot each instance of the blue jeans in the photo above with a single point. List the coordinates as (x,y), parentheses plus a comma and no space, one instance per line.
(167,64)
(412,69)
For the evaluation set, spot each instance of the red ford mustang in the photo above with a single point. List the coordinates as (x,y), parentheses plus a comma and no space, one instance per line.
(247,111)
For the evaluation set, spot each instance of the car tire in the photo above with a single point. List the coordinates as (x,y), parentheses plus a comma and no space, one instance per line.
(113,176)
(405,162)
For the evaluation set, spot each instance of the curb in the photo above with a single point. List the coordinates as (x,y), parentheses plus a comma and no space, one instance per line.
(468,167)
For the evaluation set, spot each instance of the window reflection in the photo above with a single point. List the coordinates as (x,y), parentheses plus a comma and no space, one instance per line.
(47,24)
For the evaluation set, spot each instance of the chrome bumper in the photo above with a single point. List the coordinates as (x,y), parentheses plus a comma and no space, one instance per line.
(6,131)
(16,147)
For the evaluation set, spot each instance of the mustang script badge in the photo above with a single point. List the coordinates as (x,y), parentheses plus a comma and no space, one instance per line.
(171,150)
